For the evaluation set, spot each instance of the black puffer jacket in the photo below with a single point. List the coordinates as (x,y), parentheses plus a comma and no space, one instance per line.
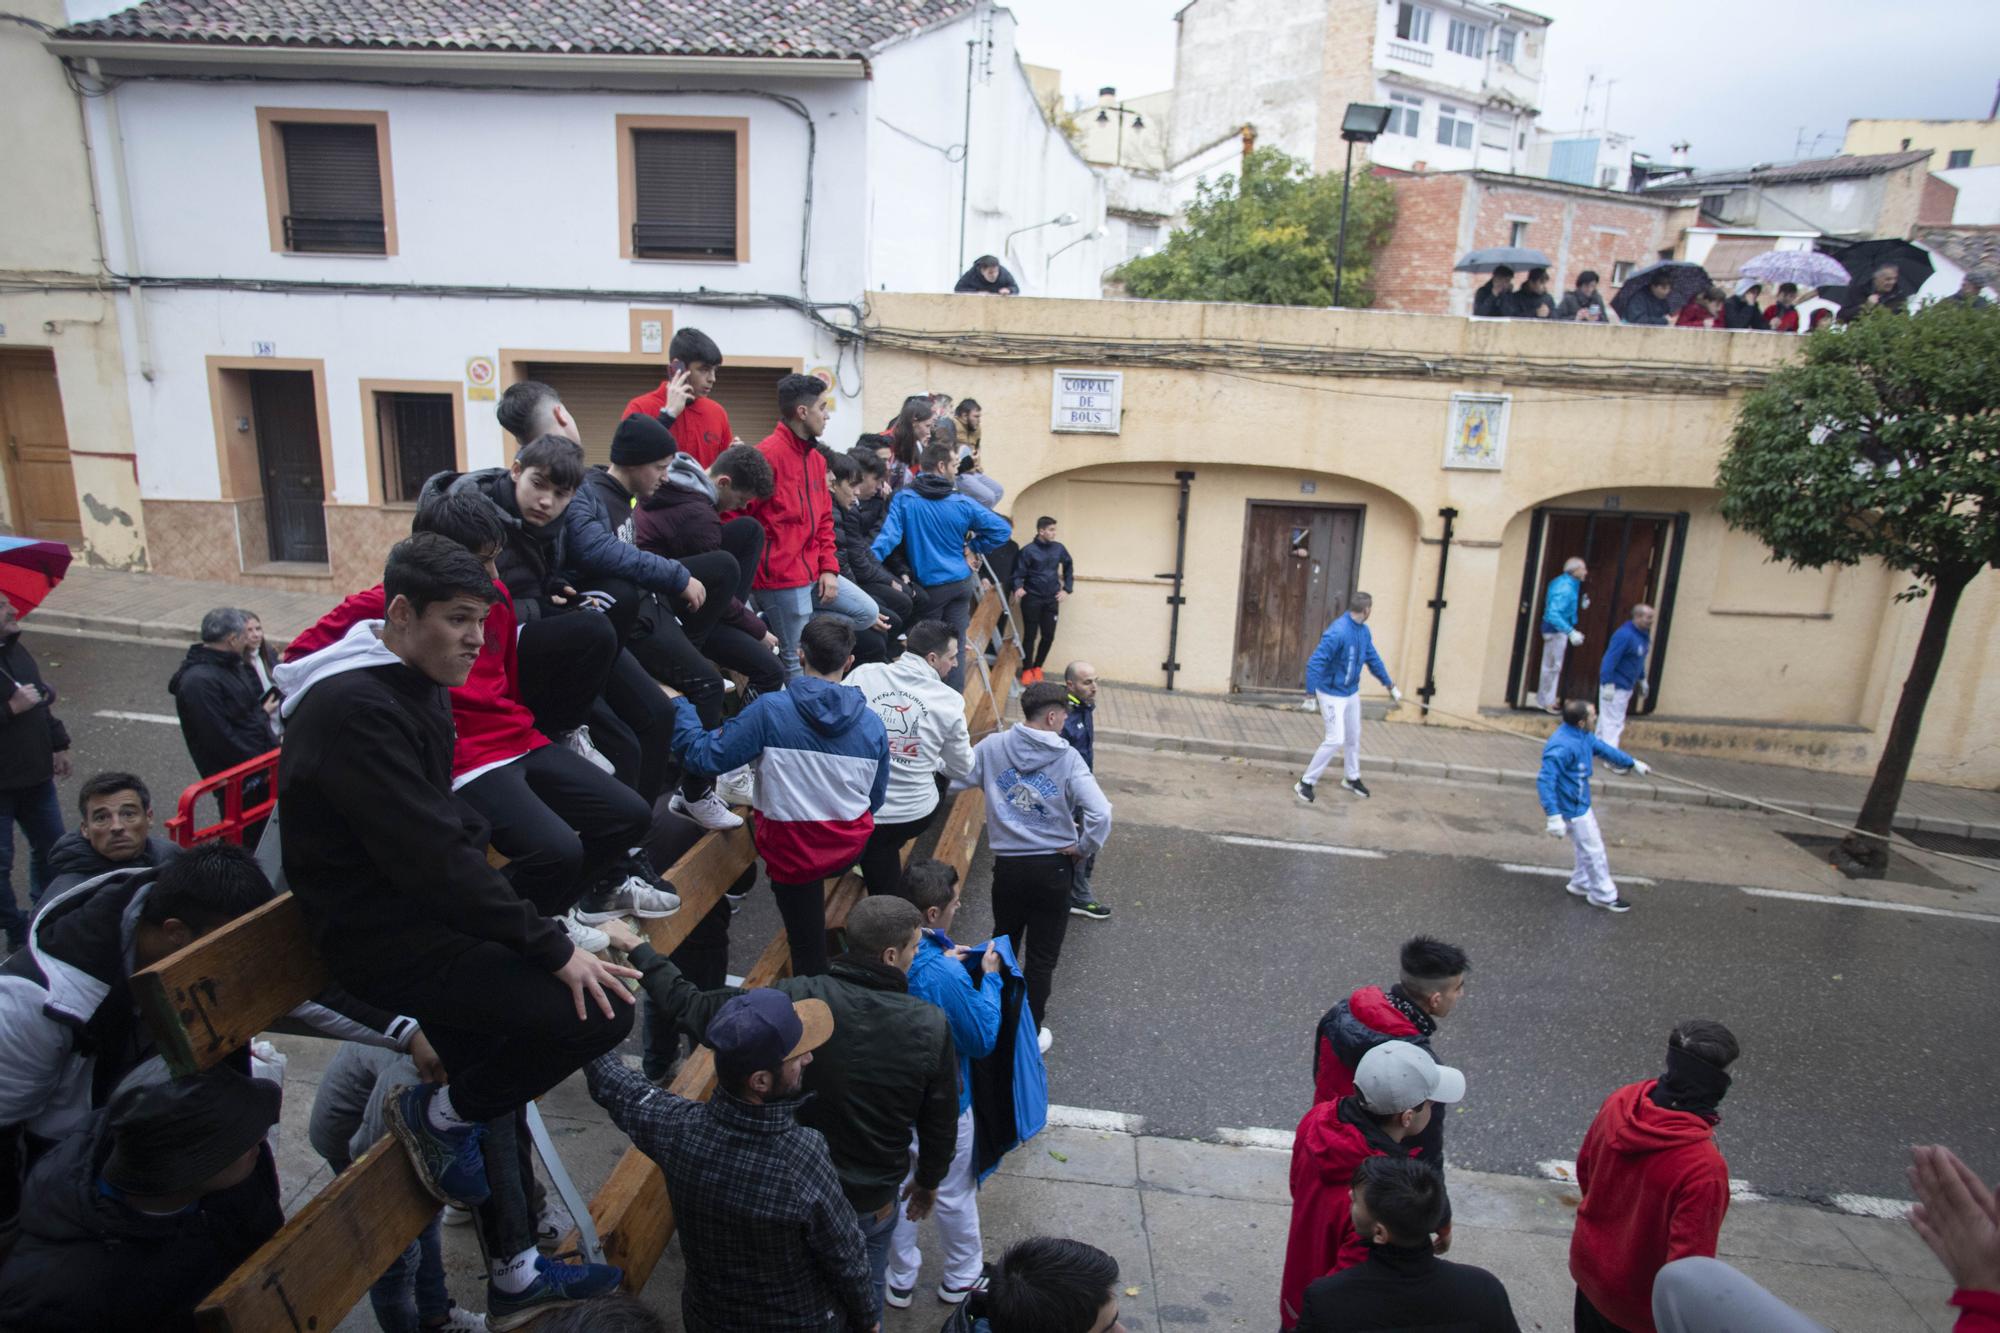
(531,564)
(216,694)
(86,1261)
(28,741)
(73,860)
(850,543)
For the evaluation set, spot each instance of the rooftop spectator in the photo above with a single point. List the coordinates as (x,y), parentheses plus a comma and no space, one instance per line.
(1583,304)
(1745,310)
(1650,306)
(1491,300)
(988,277)
(1704,311)
(1783,316)
(1533,300)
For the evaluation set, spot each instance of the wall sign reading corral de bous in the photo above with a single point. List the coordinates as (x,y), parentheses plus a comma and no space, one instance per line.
(1088,401)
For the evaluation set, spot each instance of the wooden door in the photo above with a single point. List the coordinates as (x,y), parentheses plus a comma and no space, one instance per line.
(39,480)
(1298,573)
(287,421)
(1627,555)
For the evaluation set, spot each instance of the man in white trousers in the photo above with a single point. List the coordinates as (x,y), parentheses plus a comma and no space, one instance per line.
(1564,786)
(1333,677)
(1623,673)
(972,1010)
(1562,606)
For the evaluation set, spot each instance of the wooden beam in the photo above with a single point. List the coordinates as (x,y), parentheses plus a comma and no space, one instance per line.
(700,877)
(206,1000)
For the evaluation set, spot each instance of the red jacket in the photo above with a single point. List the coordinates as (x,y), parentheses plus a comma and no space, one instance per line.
(1330,1143)
(1695,315)
(1351,1029)
(798,516)
(1784,319)
(492,723)
(1979,1311)
(702,428)
(1655,1188)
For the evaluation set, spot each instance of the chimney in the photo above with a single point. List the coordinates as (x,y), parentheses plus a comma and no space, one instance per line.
(1419,166)
(1107,95)
(1249,139)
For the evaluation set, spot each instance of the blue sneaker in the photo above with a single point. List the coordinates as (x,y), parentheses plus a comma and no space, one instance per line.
(449,1162)
(555,1285)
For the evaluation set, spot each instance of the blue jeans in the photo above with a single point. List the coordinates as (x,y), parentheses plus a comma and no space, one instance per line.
(787,610)
(877,1234)
(39,814)
(412,1290)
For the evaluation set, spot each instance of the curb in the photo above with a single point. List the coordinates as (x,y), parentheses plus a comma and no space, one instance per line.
(1621,788)
(113,627)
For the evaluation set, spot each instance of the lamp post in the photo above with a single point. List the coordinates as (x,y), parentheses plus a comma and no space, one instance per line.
(1048,265)
(1362,124)
(1107,107)
(1059,220)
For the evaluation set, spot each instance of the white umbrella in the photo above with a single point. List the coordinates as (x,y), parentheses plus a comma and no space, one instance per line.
(1807,268)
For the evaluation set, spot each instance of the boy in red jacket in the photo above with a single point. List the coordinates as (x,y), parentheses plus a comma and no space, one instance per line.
(682,402)
(799,575)
(1395,1085)
(1654,1184)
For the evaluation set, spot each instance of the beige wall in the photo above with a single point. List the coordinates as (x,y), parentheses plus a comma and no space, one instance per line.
(1763,661)
(1941,136)
(57,240)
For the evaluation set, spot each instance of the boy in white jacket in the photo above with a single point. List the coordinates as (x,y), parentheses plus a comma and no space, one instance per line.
(925,719)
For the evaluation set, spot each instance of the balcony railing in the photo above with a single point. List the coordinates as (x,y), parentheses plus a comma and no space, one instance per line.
(1411,55)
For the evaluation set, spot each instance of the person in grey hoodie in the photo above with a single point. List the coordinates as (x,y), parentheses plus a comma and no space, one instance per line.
(1045,816)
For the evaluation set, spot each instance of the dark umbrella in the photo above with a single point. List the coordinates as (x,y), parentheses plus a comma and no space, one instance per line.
(1912,265)
(1689,281)
(1517,257)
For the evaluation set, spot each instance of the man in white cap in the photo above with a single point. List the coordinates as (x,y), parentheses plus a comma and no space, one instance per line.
(1394,1086)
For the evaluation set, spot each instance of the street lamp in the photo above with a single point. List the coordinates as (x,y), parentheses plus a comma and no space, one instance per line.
(1107,107)
(1048,264)
(1362,124)
(1059,220)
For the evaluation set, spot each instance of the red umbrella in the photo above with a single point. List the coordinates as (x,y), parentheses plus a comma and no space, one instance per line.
(30,570)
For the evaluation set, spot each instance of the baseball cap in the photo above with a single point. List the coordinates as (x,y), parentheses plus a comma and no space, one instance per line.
(1399,1076)
(763,1028)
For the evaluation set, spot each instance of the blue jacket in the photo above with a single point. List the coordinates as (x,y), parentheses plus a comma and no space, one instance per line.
(1042,568)
(1335,666)
(597,532)
(1564,782)
(1625,660)
(934,528)
(971,1009)
(1080,730)
(1560,606)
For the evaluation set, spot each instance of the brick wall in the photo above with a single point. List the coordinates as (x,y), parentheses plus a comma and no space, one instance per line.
(1413,271)
(1940,200)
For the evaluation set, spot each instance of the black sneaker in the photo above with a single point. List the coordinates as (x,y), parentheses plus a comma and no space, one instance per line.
(1303,790)
(1615,905)
(555,1286)
(1093,909)
(1355,785)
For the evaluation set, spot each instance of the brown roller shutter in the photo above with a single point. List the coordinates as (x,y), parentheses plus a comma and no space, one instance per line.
(333,189)
(684,193)
(596,394)
(749,394)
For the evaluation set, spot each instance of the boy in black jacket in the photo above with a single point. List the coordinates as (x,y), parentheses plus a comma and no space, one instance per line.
(34,751)
(407,913)
(1043,578)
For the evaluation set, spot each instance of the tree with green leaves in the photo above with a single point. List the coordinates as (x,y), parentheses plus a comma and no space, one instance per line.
(1267,236)
(1881,443)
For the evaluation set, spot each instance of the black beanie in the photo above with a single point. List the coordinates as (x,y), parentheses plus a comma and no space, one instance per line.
(640,439)
(167,1138)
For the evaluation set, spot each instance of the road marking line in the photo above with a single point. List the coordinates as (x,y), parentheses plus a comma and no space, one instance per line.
(1083,1117)
(1275,1140)
(164,719)
(1558,872)
(1565,1171)
(1871,1205)
(1365,853)
(1836,900)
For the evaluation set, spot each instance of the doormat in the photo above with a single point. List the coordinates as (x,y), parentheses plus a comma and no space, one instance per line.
(1900,868)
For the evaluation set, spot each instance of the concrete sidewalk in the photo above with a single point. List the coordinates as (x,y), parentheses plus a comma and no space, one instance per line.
(1199,1228)
(150,606)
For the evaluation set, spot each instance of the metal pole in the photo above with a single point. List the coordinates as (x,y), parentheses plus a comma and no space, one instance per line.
(1437,605)
(1340,248)
(965,157)
(1175,600)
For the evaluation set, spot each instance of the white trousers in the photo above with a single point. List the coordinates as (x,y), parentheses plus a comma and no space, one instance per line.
(1554,648)
(1343,735)
(956,1215)
(1593,872)
(1611,705)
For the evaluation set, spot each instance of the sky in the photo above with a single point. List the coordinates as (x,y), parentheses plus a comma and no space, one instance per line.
(1744,81)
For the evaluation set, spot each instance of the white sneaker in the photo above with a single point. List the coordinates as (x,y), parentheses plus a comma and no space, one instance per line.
(455,1216)
(711,811)
(554,1223)
(459,1320)
(579,741)
(635,897)
(584,935)
(738,786)
(1045,1040)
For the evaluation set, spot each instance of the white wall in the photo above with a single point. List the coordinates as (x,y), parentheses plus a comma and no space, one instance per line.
(1978,195)
(1255,62)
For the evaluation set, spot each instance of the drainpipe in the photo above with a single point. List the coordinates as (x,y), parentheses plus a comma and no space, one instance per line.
(121,188)
(1174,599)
(1437,605)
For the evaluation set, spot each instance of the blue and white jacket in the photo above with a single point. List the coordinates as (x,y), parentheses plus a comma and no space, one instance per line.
(1335,666)
(1564,782)
(1560,606)
(1625,660)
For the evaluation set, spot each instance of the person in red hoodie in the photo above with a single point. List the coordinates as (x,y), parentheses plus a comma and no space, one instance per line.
(1654,1184)
(682,401)
(1396,1084)
(800,572)
(1703,312)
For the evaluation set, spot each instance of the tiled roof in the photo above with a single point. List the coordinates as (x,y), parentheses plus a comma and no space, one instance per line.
(1845,166)
(1974,249)
(836,29)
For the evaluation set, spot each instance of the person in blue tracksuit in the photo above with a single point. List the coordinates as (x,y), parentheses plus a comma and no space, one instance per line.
(1623,673)
(1333,677)
(935,526)
(1564,786)
(1561,609)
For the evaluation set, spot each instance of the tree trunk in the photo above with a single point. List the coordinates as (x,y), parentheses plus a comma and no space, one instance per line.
(1878,810)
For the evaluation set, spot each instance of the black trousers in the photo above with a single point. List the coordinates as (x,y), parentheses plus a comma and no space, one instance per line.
(882,858)
(646,715)
(565,660)
(891,599)
(560,820)
(1588,1320)
(743,540)
(1031,897)
(802,907)
(730,648)
(1038,619)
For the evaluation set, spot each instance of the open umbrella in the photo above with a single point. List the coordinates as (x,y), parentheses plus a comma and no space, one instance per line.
(30,570)
(1688,280)
(1517,257)
(1807,268)
(1912,264)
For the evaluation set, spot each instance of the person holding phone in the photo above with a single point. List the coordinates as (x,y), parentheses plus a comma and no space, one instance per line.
(682,402)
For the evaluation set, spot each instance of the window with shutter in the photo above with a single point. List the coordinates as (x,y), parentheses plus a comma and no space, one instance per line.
(685,192)
(417,438)
(333,189)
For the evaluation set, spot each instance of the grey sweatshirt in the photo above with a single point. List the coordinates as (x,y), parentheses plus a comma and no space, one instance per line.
(1040,796)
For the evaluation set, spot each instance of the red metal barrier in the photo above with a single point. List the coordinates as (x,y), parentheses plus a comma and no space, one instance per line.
(183,829)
